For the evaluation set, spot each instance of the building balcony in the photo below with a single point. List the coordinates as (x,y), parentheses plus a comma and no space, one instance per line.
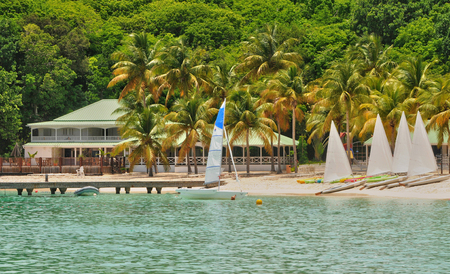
(64,139)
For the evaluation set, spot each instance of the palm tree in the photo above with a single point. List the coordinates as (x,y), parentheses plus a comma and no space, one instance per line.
(389,101)
(245,119)
(144,133)
(190,116)
(342,87)
(135,66)
(266,55)
(181,70)
(285,91)
(374,57)
(438,109)
(413,74)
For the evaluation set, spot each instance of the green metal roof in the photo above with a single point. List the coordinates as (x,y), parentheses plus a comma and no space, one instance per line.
(432,136)
(72,144)
(98,113)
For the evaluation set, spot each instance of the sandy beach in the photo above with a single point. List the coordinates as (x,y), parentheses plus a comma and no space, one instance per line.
(259,184)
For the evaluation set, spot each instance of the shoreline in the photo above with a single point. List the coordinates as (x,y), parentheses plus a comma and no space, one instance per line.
(261,184)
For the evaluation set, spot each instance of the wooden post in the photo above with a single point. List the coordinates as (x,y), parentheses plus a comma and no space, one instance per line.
(60,164)
(101,165)
(40,164)
(20,164)
(1,165)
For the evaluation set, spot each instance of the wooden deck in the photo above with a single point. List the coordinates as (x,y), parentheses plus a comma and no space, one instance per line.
(127,185)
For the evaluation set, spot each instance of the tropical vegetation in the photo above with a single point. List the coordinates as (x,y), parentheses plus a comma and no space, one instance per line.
(284,66)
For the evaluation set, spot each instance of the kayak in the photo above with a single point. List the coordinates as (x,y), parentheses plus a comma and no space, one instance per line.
(308,180)
(380,178)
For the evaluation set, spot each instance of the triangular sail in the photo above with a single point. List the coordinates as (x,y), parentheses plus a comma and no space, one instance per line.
(422,159)
(337,165)
(214,163)
(380,160)
(403,145)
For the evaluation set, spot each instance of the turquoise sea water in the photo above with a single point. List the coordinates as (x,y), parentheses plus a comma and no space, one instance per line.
(141,233)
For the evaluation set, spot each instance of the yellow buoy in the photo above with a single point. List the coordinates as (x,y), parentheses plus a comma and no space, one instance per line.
(259,202)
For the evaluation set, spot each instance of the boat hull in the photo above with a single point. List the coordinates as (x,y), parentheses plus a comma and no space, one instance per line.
(209,194)
(87,191)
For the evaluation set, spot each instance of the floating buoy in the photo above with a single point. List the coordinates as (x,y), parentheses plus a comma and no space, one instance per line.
(259,202)
(36,191)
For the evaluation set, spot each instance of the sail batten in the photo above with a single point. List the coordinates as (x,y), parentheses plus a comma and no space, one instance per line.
(380,160)
(423,160)
(337,165)
(403,146)
(214,162)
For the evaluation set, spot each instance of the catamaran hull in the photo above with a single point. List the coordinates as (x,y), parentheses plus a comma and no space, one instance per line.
(212,194)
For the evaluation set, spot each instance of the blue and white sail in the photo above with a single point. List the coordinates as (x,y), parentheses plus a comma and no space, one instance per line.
(214,163)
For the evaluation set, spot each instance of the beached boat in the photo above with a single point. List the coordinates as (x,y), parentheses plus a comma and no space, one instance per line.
(380,160)
(87,191)
(214,167)
(386,182)
(337,165)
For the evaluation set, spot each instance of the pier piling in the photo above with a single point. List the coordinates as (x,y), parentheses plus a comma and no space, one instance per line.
(127,190)
(149,190)
(62,190)
(117,190)
(19,191)
(30,191)
(158,190)
(52,190)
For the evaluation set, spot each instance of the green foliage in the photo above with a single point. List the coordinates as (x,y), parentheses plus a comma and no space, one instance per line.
(10,103)
(302,150)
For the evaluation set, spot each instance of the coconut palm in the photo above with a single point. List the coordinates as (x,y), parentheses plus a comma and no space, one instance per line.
(374,57)
(182,70)
(285,91)
(265,54)
(144,133)
(190,117)
(342,87)
(245,119)
(438,109)
(135,66)
(413,73)
(389,102)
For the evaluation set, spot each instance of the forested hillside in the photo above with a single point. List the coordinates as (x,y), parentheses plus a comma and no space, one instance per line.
(57,55)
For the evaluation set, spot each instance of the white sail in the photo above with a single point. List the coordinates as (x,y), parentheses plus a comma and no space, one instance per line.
(422,158)
(380,160)
(214,163)
(337,165)
(403,145)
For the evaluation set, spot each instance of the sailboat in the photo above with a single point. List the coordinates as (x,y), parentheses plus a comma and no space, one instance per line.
(403,145)
(337,165)
(214,167)
(423,160)
(380,160)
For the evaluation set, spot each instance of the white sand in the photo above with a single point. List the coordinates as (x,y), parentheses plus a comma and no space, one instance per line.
(257,185)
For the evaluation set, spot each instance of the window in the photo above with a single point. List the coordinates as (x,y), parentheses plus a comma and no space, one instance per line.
(68,132)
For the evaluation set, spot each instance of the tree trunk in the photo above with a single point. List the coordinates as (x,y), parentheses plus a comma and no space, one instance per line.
(248,151)
(194,154)
(150,171)
(188,162)
(229,159)
(294,139)
(156,167)
(279,146)
(272,159)
(348,135)
(392,139)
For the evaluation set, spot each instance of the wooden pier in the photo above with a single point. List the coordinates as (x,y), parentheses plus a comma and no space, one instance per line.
(127,185)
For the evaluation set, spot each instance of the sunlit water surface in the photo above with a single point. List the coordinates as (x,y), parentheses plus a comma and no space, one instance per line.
(141,233)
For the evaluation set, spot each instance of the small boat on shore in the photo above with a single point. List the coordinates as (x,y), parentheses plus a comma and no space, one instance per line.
(87,191)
